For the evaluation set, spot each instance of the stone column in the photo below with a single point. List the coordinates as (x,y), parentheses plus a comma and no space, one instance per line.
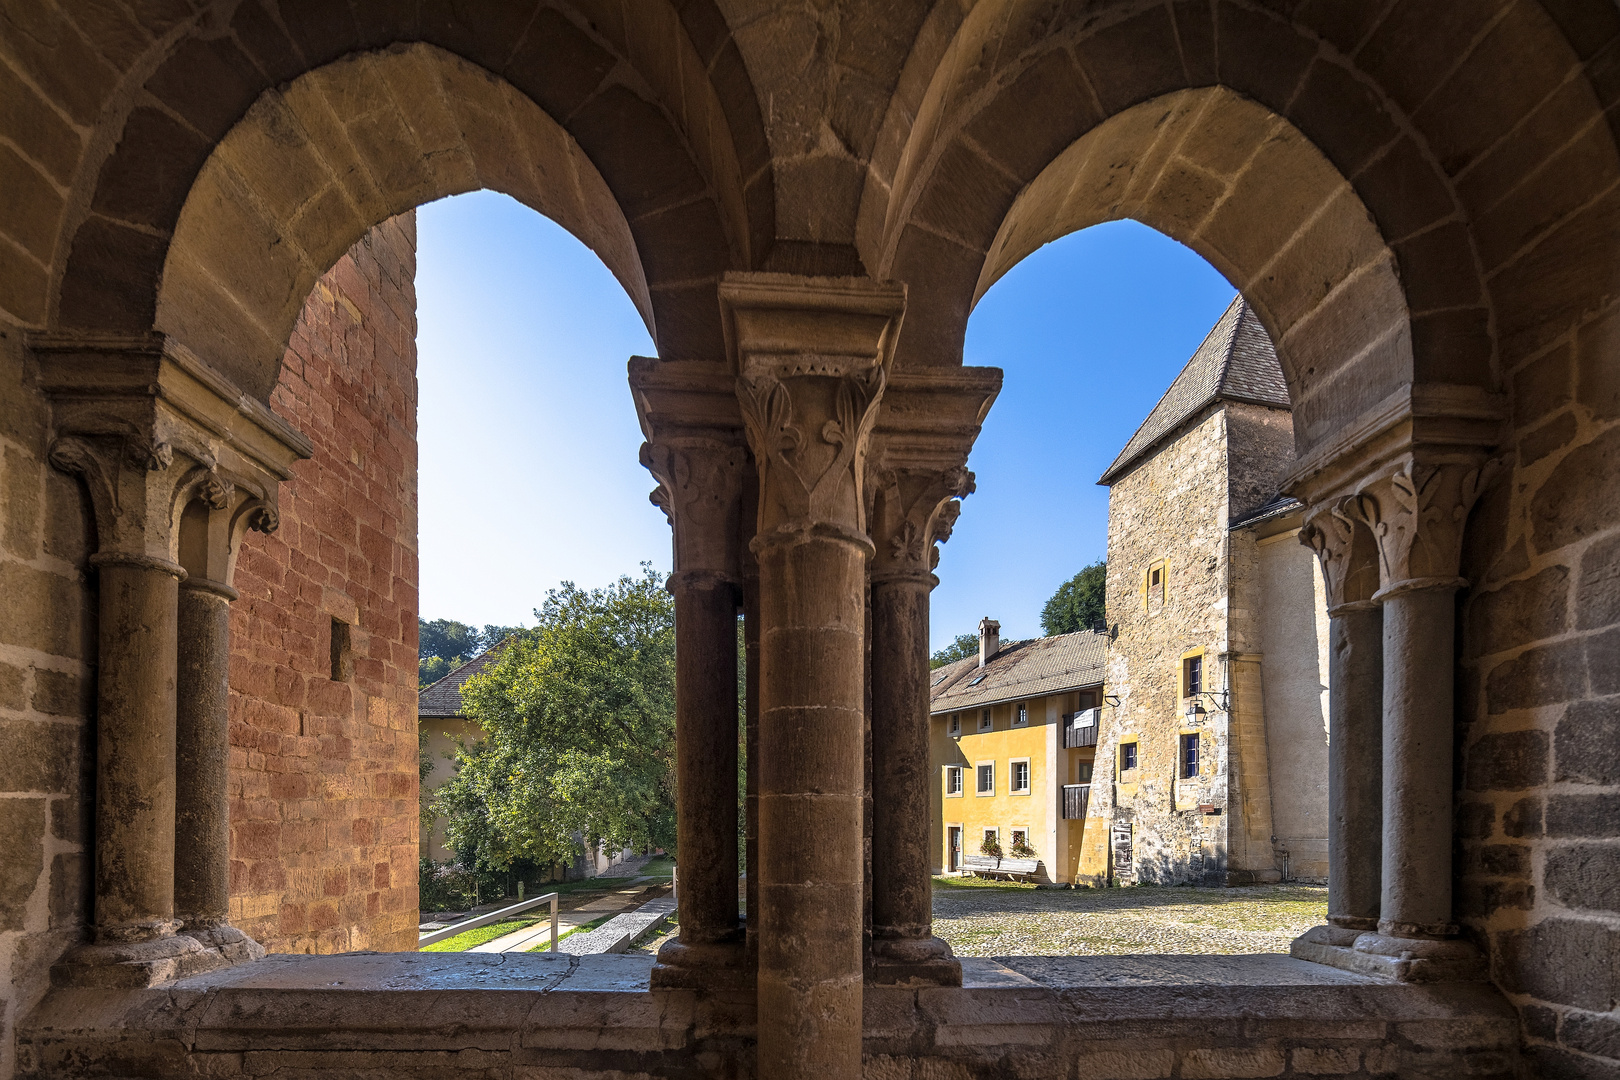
(700,490)
(147,427)
(1416,516)
(811,356)
(211,527)
(913,508)
(750,513)
(1355,727)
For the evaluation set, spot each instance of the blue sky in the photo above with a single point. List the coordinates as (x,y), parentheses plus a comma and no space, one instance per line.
(529,473)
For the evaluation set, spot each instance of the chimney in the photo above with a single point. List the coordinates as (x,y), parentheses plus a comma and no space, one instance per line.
(989,639)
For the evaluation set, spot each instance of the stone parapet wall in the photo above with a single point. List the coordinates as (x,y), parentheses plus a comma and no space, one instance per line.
(324,816)
(540,1015)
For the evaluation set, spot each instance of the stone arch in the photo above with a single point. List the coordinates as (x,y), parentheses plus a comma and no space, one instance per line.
(1243,188)
(640,96)
(315,164)
(1404,103)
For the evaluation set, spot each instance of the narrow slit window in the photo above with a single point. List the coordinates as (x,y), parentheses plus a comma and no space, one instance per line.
(342,661)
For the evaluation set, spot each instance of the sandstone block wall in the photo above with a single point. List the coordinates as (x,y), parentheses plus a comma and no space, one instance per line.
(1538,812)
(47,694)
(324,773)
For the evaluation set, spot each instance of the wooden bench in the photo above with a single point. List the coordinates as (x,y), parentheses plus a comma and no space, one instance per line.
(991,865)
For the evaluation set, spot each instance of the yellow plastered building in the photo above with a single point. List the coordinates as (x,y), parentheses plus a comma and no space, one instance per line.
(1013,743)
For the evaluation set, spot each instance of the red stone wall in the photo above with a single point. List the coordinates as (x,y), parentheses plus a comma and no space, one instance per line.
(323,772)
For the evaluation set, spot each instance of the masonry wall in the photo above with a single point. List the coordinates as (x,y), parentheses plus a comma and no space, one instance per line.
(324,809)
(1172,507)
(1538,813)
(47,690)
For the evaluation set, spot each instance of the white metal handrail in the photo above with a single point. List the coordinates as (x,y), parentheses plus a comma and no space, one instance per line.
(494,917)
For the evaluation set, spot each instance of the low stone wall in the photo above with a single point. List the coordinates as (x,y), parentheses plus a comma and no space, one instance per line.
(548,1015)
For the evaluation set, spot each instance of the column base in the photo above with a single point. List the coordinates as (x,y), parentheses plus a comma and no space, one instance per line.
(135,964)
(1407,960)
(232,946)
(709,965)
(912,962)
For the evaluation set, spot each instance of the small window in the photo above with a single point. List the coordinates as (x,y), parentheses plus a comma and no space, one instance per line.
(1155,577)
(976,680)
(1082,773)
(985,723)
(992,842)
(953,779)
(1020,778)
(953,726)
(1189,755)
(1021,717)
(1127,755)
(1087,700)
(987,778)
(1155,582)
(1192,676)
(1020,838)
(342,661)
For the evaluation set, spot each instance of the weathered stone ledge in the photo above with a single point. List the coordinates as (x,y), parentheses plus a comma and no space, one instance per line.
(548,1015)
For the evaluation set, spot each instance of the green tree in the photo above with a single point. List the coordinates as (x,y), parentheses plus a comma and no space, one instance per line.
(578,716)
(964,646)
(1079,603)
(444,644)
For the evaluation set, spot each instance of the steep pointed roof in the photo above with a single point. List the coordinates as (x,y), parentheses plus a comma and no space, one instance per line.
(1236,362)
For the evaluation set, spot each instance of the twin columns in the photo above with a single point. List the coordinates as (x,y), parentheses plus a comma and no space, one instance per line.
(1390,551)
(178,464)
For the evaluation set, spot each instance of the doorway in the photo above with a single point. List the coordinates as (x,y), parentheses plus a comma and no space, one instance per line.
(954,846)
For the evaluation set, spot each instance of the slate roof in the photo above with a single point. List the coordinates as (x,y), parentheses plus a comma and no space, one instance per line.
(1022,669)
(443,698)
(1278,506)
(1236,362)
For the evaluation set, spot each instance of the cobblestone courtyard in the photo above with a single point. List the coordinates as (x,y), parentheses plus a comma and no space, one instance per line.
(985,919)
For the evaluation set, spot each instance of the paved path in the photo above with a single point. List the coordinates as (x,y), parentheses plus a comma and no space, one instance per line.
(538,936)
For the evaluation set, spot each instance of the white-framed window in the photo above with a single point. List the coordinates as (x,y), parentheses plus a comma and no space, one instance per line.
(1020,835)
(1018,776)
(1021,714)
(985,778)
(953,726)
(953,781)
(992,837)
(985,723)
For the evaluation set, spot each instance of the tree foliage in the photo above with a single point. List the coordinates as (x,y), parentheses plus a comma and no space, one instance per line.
(1079,603)
(578,716)
(444,644)
(964,646)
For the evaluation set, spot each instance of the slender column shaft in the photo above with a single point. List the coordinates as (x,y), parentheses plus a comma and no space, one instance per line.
(135,750)
(1355,765)
(706,741)
(202,877)
(810,793)
(751,796)
(1418,648)
(902,895)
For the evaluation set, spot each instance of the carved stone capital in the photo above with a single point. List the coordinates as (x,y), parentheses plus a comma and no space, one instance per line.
(1345,548)
(811,357)
(153,431)
(912,510)
(700,491)
(1416,515)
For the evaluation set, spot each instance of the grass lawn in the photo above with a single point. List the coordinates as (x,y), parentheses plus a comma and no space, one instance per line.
(463,942)
(984,918)
(659,866)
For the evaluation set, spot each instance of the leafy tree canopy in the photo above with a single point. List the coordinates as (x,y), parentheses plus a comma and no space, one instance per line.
(578,716)
(445,644)
(1079,603)
(965,645)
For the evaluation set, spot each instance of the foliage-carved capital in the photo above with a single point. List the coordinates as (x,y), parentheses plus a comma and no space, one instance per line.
(700,491)
(912,510)
(1345,549)
(1416,516)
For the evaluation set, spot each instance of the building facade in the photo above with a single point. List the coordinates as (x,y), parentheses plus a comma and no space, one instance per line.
(1215,736)
(1012,735)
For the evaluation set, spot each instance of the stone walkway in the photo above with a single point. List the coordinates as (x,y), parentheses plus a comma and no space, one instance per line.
(982,920)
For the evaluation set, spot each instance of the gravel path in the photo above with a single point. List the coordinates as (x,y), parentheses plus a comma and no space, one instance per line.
(1011,920)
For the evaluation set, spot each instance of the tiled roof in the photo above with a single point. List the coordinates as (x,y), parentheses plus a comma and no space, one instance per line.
(1278,506)
(1022,669)
(443,698)
(1236,362)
